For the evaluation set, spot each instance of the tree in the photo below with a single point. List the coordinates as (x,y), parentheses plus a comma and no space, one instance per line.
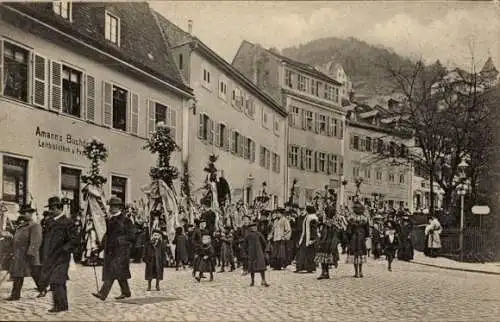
(447,113)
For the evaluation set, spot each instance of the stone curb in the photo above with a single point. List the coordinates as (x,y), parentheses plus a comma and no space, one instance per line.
(456,268)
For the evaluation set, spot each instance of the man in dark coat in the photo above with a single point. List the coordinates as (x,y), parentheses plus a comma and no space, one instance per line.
(26,245)
(60,240)
(117,240)
(208,215)
(255,245)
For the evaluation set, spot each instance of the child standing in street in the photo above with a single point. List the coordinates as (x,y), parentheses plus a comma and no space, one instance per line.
(391,243)
(154,257)
(226,252)
(205,261)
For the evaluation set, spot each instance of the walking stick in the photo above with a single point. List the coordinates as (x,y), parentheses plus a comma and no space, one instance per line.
(95,275)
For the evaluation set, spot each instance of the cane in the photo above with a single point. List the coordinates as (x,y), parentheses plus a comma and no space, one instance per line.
(95,273)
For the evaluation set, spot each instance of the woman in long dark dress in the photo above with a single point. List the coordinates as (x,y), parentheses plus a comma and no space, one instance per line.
(154,257)
(181,253)
(254,245)
(405,250)
(358,230)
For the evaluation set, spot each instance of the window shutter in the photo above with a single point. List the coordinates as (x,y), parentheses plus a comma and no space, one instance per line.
(328,165)
(200,126)
(340,162)
(1,67)
(252,151)
(217,134)
(56,86)
(134,113)
(151,117)
(262,156)
(291,119)
(172,117)
(211,131)
(302,158)
(107,97)
(246,149)
(316,122)
(303,118)
(232,142)
(227,139)
(40,81)
(351,141)
(328,126)
(268,159)
(290,155)
(316,161)
(278,164)
(341,129)
(241,145)
(90,91)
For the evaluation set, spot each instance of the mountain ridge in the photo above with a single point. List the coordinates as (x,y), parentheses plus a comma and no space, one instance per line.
(363,62)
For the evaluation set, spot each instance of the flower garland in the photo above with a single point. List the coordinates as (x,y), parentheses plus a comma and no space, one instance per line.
(162,143)
(95,151)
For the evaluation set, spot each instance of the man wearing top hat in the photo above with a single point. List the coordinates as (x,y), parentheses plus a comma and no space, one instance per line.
(117,241)
(26,245)
(59,241)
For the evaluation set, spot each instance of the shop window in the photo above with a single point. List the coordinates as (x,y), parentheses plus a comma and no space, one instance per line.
(120,100)
(70,187)
(119,187)
(15,62)
(15,173)
(72,91)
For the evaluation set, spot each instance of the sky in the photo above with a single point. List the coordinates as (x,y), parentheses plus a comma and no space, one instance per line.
(457,33)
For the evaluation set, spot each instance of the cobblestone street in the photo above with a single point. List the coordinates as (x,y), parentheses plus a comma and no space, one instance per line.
(410,292)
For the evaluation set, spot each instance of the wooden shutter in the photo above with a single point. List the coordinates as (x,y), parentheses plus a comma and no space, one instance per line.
(151,117)
(232,142)
(302,158)
(217,134)
(172,117)
(90,98)
(1,67)
(211,125)
(241,145)
(268,159)
(303,118)
(316,161)
(340,164)
(56,86)
(252,152)
(290,155)
(246,149)
(227,139)
(341,135)
(278,164)
(134,113)
(316,122)
(351,141)
(40,81)
(107,97)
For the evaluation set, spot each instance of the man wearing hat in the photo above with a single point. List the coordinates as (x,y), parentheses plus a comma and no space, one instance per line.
(26,245)
(119,237)
(309,234)
(60,240)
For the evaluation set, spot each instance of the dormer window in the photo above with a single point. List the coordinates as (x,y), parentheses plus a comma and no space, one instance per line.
(112,29)
(63,9)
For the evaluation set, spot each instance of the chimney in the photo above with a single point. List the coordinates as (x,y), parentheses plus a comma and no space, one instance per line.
(190,26)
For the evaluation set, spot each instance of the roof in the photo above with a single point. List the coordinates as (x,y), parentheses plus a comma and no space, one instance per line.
(175,34)
(306,68)
(489,67)
(141,42)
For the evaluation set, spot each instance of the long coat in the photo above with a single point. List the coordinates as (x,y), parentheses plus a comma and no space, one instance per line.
(26,246)
(117,240)
(181,248)
(154,257)
(358,229)
(59,241)
(254,244)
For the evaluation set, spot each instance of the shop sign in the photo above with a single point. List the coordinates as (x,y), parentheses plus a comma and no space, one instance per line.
(62,142)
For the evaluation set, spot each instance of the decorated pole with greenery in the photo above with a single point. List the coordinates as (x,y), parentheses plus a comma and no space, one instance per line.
(161,142)
(96,152)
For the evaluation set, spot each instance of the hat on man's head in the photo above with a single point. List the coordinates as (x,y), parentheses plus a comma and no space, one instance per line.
(26,209)
(310,209)
(54,201)
(115,201)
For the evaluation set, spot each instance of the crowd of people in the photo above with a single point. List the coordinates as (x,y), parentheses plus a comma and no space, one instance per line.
(311,237)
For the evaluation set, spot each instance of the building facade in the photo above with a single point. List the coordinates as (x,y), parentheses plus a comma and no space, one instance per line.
(73,71)
(336,71)
(316,120)
(377,156)
(232,119)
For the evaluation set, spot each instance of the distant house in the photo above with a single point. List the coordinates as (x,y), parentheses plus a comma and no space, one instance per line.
(316,119)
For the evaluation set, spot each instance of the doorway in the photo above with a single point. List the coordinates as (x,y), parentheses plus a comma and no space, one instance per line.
(70,188)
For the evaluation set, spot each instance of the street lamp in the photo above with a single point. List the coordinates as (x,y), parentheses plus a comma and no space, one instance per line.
(462,191)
